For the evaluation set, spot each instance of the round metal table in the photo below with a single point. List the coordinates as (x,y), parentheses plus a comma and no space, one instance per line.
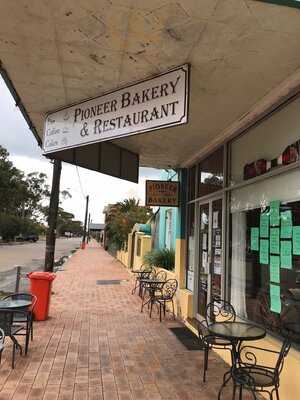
(140,275)
(14,304)
(236,332)
(152,285)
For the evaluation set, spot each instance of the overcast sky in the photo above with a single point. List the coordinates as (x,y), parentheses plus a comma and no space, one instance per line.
(27,156)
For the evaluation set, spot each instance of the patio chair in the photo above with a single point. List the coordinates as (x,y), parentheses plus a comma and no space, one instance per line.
(145,271)
(10,330)
(165,295)
(219,311)
(154,275)
(210,342)
(254,376)
(24,317)
(2,338)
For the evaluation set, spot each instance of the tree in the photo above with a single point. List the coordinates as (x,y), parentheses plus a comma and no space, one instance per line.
(13,190)
(120,219)
(66,223)
(24,199)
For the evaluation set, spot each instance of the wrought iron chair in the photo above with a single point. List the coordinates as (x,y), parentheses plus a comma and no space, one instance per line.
(210,342)
(10,330)
(24,318)
(144,272)
(250,374)
(2,338)
(165,295)
(219,311)
(146,288)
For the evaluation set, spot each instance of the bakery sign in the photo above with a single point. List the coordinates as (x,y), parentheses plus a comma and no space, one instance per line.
(155,103)
(162,193)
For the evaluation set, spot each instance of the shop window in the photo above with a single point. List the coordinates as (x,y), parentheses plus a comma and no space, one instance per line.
(190,247)
(210,175)
(265,263)
(269,146)
(138,247)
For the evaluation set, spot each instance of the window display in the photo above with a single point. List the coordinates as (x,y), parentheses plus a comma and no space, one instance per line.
(265,272)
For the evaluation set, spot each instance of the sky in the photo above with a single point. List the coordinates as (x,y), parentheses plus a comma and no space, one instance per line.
(26,155)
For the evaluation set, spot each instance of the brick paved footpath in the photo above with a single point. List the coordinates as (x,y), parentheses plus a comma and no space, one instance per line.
(97,345)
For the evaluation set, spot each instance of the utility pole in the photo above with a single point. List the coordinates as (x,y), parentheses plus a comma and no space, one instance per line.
(85,221)
(88,228)
(52,217)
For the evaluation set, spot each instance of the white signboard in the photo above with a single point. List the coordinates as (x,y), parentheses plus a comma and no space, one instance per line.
(155,103)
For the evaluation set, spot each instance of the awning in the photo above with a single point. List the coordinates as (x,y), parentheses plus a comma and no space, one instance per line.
(60,52)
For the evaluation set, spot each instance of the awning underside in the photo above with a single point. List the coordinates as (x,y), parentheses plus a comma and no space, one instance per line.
(60,52)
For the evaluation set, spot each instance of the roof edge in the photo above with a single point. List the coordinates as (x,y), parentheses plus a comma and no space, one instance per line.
(19,103)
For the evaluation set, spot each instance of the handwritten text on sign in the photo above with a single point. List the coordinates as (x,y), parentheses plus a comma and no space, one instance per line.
(152,104)
(162,193)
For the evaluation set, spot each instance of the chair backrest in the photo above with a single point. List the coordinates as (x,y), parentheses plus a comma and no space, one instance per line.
(146,273)
(6,321)
(2,338)
(202,329)
(23,296)
(285,348)
(253,356)
(169,288)
(161,275)
(146,268)
(219,311)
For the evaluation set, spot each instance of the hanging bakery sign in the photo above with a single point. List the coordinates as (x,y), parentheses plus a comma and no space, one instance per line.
(148,105)
(162,193)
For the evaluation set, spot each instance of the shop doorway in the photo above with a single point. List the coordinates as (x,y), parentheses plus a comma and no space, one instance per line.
(211,253)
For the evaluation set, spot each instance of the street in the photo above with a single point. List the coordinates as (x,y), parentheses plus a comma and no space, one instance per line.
(32,254)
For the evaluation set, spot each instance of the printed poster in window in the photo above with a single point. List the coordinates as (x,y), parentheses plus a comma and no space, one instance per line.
(215,219)
(204,241)
(190,281)
(217,265)
(217,240)
(204,260)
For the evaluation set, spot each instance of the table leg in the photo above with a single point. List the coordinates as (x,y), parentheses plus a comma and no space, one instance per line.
(226,379)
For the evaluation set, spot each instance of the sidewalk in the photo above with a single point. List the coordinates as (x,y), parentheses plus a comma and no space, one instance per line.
(97,345)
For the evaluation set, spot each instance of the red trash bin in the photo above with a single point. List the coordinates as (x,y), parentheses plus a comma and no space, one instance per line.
(40,286)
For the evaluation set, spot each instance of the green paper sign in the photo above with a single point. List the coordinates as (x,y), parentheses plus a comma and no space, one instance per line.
(286,254)
(286,225)
(274,213)
(296,240)
(264,251)
(264,225)
(274,240)
(275,269)
(275,302)
(254,239)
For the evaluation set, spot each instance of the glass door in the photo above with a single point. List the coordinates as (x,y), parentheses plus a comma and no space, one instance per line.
(210,259)
(204,258)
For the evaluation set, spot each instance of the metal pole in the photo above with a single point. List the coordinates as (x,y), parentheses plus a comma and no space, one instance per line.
(85,220)
(52,217)
(88,235)
(18,277)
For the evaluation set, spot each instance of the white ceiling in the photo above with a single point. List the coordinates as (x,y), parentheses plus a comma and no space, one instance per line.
(59,52)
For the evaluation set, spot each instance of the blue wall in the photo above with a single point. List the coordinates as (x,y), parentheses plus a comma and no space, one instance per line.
(161,218)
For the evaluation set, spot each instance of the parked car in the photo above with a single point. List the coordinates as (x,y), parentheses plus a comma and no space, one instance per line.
(27,238)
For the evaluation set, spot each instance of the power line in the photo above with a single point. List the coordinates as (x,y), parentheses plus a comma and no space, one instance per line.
(80,184)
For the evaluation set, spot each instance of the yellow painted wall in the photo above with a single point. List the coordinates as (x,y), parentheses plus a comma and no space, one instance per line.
(122,256)
(146,244)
